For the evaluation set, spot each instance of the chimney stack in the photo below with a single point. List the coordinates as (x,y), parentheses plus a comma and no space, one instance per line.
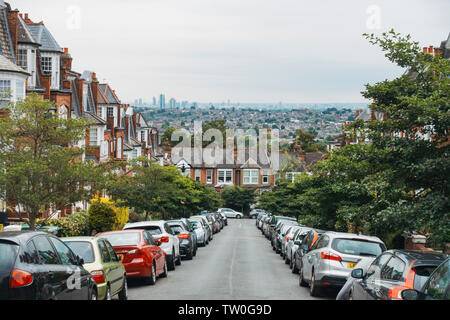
(430,49)
(425,50)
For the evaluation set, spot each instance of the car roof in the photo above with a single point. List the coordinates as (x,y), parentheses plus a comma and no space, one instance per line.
(145,224)
(420,257)
(20,237)
(352,236)
(120,231)
(79,239)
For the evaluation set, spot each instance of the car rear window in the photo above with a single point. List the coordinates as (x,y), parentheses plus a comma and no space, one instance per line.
(82,249)
(8,254)
(176,228)
(154,230)
(422,275)
(357,247)
(123,239)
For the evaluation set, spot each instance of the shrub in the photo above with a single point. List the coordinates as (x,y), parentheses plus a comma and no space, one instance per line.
(104,215)
(72,226)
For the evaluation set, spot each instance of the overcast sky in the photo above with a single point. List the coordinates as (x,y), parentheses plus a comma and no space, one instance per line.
(243,50)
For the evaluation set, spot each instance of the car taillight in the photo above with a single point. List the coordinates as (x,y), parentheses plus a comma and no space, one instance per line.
(287,239)
(396,292)
(164,239)
(183,236)
(20,278)
(98,276)
(136,252)
(330,256)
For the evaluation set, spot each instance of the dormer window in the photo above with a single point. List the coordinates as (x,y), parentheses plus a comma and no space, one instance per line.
(46,63)
(110,112)
(22,58)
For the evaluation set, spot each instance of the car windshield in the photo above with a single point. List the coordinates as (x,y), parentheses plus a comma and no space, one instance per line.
(8,252)
(82,249)
(123,239)
(357,247)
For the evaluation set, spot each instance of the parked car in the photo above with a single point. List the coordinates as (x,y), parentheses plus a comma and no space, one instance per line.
(190,228)
(217,221)
(164,237)
(214,225)
(230,213)
(286,241)
(266,226)
(294,245)
(254,213)
(309,240)
(201,232)
(437,286)
(39,266)
(207,224)
(188,244)
(260,220)
(333,257)
(393,272)
(139,252)
(273,222)
(224,218)
(279,233)
(102,262)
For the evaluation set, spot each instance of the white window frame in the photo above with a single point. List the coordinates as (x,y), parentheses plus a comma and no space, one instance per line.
(209,175)
(225,174)
(93,138)
(198,175)
(22,58)
(251,176)
(47,64)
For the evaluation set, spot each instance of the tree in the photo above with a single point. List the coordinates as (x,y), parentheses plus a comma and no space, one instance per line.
(238,198)
(39,167)
(306,141)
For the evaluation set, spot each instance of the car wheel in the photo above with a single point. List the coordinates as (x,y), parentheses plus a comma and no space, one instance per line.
(152,279)
(93,295)
(178,262)
(350,296)
(294,267)
(313,289)
(123,295)
(286,260)
(165,272)
(108,293)
(238,217)
(302,281)
(190,255)
(171,262)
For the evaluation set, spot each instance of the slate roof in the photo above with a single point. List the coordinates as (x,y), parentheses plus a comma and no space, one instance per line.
(75,107)
(24,35)
(44,37)
(94,119)
(109,94)
(6,47)
(8,66)
(445,47)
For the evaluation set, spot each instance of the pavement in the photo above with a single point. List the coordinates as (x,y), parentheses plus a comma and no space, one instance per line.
(239,264)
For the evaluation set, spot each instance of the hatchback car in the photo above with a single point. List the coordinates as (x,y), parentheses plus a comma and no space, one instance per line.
(437,286)
(333,257)
(230,213)
(393,272)
(273,222)
(201,232)
(39,266)
(254,213)
(164,237)
(294,245)
(207,224)
(139,253)
(102,262)
(188,244)
(287,243)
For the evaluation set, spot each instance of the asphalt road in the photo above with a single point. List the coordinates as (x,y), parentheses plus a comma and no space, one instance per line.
(239,264)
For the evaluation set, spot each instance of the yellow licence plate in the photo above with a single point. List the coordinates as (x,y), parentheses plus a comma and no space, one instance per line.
(351,265)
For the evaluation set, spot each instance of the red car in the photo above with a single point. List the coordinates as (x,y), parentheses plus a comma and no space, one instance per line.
(139,253)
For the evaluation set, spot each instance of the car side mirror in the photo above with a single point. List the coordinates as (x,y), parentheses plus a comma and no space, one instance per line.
(410,294)
(358,273)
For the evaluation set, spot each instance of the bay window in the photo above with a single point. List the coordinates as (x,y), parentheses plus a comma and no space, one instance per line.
(251,176)
(225,176)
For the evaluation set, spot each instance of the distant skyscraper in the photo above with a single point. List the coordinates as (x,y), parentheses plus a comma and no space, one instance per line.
(162,101)
(155,102)
(172,103)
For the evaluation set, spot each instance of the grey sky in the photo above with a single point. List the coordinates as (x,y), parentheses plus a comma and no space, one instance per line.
(243,50)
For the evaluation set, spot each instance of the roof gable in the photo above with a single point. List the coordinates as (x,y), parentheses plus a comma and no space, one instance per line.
(44,38)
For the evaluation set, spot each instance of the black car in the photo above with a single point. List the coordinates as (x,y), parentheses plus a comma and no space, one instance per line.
(437,286)
(305,245)
(39,266)
(187,241)
(393,272)
(273,222)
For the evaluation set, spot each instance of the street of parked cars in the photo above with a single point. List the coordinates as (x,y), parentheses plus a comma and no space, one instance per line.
(357,267)
(41,266)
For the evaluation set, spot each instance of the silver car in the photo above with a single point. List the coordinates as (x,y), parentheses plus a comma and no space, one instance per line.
(286,241)
(230,213)
(200,231)
(161,230)
(293,245)
(333,257)
(207,224)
